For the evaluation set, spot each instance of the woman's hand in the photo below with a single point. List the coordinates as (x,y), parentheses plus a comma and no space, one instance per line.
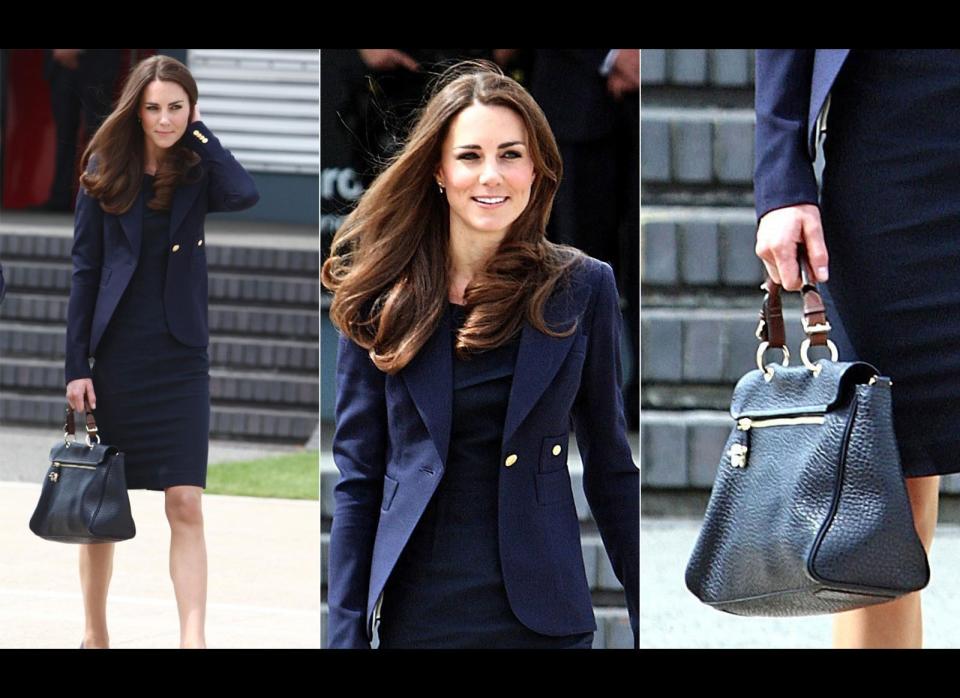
(195,113)
(780,232)
(80,395)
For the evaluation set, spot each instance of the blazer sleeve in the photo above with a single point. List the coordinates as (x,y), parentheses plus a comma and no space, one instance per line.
(87,259)
(611,480)
(359,451)
(783,173)
(231,187)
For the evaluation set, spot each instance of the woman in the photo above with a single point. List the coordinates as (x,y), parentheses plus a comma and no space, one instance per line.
(138,305)
(887,213)
(468,343)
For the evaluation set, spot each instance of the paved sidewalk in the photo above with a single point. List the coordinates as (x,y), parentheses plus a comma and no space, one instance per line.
(263,558)
(670,616)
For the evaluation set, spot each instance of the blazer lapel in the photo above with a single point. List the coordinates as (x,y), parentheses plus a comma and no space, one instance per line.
(429,378)
(539,357)
(132,224)
(183,199)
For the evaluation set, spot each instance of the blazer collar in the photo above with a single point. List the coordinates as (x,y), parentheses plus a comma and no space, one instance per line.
(132,223)
(429,376)
(540,357)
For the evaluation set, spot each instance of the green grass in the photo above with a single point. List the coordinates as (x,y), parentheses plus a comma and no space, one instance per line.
(294,476)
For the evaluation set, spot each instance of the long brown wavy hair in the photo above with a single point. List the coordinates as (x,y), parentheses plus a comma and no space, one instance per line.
(119,144)
(389,261)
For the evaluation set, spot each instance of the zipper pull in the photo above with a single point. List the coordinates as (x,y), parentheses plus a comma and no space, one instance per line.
(738,450)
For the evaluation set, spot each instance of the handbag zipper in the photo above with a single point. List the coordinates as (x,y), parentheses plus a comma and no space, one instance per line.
(71,465)
(55,475)
(738,451)
(746,423)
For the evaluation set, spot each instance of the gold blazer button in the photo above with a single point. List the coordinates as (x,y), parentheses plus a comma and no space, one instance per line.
(511,459)
(556,450)
(199,243)
(175,248)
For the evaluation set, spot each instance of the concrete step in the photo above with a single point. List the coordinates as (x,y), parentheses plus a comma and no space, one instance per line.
(35,376)
(697,146)
(50,247)
(283,323)
(716,67)
(46,342)
(707,346)
(699,247)
(682,449)
(52,277)
(255,423)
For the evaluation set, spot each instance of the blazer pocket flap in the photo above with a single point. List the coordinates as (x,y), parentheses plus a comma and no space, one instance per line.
(553,488)
(553,453)
(389,492)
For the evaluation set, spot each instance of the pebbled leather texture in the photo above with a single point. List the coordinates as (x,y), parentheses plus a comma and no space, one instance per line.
(86,504)
(796,390)
(864,542)
(817,519)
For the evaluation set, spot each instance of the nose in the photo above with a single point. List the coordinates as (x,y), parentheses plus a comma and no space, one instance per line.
(491,172)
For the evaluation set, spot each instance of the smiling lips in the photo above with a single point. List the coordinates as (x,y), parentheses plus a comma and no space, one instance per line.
(490,200)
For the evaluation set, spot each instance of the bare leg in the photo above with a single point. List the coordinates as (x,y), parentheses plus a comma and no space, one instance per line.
(188,562)
(96,568)
(898,624)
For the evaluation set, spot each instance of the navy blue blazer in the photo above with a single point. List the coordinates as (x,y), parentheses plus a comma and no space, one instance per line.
(390,446)
(106,250)
(791,88)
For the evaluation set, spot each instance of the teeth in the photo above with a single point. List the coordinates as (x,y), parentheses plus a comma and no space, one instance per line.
(490,200)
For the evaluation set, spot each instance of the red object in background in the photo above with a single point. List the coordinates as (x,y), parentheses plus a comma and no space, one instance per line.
(29,136)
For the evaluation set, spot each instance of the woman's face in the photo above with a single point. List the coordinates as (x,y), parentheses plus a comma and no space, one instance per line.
(486,169)
(164,113)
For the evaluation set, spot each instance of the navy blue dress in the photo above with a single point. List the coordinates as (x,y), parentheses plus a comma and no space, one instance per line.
(447,589)
(153,392)
(891,216)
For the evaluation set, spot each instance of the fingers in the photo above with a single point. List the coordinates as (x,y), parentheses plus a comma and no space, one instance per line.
(779,234)
(405,60)
(816,248)
(80,395)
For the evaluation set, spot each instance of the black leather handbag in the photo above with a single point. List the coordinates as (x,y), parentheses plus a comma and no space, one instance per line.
(809,512)
(84,497)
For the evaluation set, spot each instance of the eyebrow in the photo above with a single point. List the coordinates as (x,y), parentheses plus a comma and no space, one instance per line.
(502,145)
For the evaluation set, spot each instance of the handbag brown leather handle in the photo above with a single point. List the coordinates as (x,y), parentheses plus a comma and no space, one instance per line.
(69,426)
(771,331)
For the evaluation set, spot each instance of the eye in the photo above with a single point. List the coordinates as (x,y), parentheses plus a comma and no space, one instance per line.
(176,107)
(151,107)
(468,156)
(512,154)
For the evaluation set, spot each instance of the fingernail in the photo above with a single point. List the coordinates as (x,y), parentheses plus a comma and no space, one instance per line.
(822,273)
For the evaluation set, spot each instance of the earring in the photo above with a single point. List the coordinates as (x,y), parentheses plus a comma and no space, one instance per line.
(440,187)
